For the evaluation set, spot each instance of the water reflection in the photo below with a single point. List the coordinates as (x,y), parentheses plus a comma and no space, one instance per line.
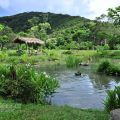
(86,91)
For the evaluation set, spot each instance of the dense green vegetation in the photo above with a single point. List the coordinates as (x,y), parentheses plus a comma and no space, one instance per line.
(108,68)
(56,20)
(64,31)
(24,84)
(46,57)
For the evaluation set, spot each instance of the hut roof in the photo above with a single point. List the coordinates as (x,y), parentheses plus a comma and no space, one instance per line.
(26,40)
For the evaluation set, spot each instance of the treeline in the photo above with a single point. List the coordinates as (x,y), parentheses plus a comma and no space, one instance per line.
(61,31)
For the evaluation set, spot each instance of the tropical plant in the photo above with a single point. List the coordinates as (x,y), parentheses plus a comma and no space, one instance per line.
(25,84)
(113,99)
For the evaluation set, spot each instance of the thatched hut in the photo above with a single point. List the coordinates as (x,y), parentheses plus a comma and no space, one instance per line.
(29,41)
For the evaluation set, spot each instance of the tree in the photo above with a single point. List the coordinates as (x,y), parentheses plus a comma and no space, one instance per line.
(81,35)
(1,27)
(51,43)
(114,15)
(23,34)
(101,18)
(40,31)
(2,38)
(3,41)
(86,45)
(6,35)
(34,21)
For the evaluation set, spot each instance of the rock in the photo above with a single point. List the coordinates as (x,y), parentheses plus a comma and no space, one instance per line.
(84,64)
(115,114)
(78,73)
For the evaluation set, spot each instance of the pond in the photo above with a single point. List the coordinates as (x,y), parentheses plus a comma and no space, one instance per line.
(86,91)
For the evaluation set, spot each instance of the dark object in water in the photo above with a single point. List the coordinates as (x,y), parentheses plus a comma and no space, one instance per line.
(78,73)
(84,64)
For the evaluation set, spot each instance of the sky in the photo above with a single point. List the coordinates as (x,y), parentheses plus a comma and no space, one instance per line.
(85,8)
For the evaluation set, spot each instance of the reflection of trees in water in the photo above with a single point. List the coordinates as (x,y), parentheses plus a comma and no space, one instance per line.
(101,81)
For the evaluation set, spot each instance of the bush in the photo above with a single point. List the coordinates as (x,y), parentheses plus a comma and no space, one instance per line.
(113,99)
(114,53)
(3,56)
(67,52)
(102,48)
(24,84)
(108,68)
(103,66)
(117,47)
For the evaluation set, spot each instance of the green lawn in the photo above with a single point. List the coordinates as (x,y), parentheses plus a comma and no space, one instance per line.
(38,112)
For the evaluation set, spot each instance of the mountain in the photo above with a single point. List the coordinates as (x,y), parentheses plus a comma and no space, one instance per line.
(68,32)
(19,22)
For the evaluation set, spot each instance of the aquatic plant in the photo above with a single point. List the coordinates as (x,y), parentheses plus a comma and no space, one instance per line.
(113,99)
(72,61)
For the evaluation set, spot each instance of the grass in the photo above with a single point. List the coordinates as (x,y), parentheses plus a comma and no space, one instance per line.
(72,61)
(47,112)
(114,54)
(46,57)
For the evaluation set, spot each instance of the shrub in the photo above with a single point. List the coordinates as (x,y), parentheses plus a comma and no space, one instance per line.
(20,52)
(67,52)
(102,48)
(72,61)
(117,47)
(113,99)
(3,56)
(103,66)
(115,53)
(108,68)
(24,84)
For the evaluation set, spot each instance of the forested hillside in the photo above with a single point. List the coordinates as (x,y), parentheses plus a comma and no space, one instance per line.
(64,31)
(19,22)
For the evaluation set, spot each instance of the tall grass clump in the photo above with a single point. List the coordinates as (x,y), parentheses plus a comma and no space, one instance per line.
(113,99)
(72,61)
(3,56)
(108,68)
(24,84)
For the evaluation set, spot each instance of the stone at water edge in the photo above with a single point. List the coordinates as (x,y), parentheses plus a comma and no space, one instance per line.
(115,114)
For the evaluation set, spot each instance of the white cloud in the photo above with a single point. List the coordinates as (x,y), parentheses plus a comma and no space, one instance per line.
(71,7)
(98,7)
(85,8)
(4,4)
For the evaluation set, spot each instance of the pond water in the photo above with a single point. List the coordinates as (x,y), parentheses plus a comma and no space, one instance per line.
(86,91)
